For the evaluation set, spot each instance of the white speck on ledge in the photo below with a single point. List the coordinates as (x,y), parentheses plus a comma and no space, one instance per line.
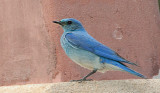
(157,76)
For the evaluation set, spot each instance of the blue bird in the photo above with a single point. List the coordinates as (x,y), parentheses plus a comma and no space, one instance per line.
(87,52)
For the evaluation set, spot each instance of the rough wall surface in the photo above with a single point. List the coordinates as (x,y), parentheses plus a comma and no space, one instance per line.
(109,86)
(25,54)
(130,27)
(29,55)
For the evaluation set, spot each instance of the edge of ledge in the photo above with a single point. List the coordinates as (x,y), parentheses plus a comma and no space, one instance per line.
(115,86)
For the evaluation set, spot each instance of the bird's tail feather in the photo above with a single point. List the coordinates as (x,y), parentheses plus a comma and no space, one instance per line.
(124,68)
(126,61)
(130,63)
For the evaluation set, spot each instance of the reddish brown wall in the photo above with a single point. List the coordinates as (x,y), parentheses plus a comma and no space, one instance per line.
(25,49)
(131,27)
(30,51)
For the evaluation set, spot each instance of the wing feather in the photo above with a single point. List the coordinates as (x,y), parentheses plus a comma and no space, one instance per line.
(84,41)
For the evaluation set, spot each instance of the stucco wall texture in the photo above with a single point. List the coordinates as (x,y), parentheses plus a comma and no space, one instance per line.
(30,50)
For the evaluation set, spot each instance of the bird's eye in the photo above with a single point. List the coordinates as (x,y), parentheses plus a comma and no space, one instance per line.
(69,22)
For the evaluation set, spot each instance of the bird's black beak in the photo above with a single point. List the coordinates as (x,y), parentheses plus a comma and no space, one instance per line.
(57,22)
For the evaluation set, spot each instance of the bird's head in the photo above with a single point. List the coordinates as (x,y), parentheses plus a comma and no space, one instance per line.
(70,24)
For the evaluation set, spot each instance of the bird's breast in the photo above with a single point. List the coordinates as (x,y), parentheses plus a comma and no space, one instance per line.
(82,57)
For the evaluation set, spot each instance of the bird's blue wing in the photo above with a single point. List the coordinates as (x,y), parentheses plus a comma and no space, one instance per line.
(84,41)
(127,69)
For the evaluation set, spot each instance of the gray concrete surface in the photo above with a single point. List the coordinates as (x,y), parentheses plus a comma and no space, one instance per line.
(106,86)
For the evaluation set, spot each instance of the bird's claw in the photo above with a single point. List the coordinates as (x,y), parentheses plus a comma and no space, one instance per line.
(79,81)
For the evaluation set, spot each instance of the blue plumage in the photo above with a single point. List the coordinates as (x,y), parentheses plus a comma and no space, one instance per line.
(88,52)
(88,43)
(122,66)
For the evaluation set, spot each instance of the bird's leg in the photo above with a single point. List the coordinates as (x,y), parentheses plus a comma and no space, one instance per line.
(94,71)
(84,78)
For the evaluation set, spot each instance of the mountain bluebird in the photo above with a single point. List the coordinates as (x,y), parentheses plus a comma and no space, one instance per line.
(87,52)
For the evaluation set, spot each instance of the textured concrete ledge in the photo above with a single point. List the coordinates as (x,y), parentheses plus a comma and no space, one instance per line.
(107,86)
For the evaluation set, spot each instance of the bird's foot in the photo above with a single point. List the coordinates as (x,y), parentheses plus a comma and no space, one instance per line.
(79,81)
